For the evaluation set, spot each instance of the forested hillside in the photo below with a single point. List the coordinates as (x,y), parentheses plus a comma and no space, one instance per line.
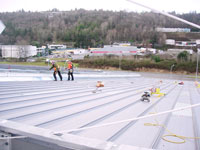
(82,28)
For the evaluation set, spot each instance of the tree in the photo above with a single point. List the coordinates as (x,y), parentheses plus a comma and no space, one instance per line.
(183,56)
(89,28)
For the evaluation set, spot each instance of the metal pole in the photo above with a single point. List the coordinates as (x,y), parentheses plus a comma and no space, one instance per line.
(48,56)
(171,70)
(197,67)
(120,57)
(171,67)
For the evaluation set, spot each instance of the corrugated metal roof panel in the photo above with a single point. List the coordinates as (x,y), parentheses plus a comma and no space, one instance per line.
(63,106)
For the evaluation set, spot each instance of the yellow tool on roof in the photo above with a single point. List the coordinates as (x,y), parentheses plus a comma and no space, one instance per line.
(157,91)
(197,84)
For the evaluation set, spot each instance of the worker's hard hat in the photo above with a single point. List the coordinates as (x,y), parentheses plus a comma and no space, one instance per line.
(68,61)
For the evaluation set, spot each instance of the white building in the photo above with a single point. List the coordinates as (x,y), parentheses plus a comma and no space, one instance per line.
(115,44)
(144,50)
(41,50)
(18,51)
(186,43)
(181,43)
(177,51)
(173,29)
(170,42)
(121,44)
(57,46)
(71,51)
(116,50)
(198,42)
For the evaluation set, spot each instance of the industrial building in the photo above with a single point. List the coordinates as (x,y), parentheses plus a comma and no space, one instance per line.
(177,51)
(56,46)
(17,51)
(70,51)
(115,50)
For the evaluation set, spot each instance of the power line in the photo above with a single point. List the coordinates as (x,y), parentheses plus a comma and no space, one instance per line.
(166,14)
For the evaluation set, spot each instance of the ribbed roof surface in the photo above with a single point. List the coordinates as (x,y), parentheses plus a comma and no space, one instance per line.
(66,105)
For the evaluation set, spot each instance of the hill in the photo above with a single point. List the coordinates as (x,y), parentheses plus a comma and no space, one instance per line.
(82,28)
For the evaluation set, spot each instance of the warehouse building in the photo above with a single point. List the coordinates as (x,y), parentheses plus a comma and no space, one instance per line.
(17,51)
(114,50)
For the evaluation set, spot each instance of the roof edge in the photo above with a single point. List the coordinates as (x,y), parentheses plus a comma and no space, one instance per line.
(66,140)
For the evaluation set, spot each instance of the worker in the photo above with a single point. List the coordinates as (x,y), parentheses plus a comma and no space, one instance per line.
(98,85)
(56,70)
(70,69)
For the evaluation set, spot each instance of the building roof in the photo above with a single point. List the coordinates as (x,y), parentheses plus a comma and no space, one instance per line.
(62,107)
(116,49)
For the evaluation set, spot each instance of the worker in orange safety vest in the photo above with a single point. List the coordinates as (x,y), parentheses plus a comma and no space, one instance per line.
(70,69)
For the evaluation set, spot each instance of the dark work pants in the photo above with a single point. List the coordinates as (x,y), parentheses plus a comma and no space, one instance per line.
(54,75)
(70,74)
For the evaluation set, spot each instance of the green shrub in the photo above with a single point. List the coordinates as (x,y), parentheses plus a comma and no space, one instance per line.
(156,58)
(131,64)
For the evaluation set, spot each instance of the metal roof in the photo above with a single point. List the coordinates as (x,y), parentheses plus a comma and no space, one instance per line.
(63,106)
(116,50)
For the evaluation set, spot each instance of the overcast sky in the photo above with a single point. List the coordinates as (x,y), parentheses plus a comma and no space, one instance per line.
(179,6)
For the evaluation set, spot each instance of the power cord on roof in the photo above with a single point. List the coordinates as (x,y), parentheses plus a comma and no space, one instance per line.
(183,138)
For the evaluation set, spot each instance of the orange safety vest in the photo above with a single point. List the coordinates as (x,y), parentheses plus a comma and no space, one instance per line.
(56,68)
(70,66)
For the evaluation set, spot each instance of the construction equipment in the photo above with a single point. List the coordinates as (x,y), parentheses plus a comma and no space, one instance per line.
(181,83)
(145,96)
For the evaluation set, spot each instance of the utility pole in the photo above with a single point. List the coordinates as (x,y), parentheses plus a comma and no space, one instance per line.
(120,60)
(198,51)
(171,70)
(197,66)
